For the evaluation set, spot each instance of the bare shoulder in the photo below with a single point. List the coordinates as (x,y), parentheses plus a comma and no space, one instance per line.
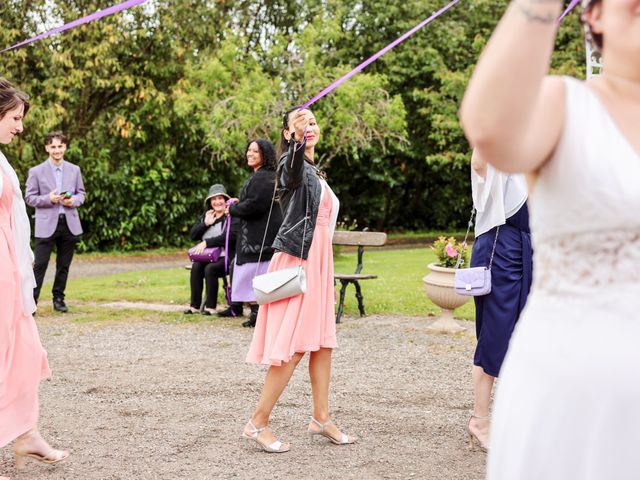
(548,121)
(549,110)
(553,86)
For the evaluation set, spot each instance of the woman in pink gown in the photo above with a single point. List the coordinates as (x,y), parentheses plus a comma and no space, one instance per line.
(288,328)
(23,361)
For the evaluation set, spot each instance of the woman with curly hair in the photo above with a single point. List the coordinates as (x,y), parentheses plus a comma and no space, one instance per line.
(254,209)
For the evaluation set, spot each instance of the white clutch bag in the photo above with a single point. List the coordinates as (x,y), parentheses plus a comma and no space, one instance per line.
(285,283)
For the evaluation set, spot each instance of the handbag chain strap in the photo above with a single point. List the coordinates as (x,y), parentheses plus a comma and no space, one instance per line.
(273,198)
(470,224)
(266,228)
(466,235)
(493,249)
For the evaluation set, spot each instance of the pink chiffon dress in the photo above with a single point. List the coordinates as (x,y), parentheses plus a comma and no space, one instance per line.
(23,361)
(306,322)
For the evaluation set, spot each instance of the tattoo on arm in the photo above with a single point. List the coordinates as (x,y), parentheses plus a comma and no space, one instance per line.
(532,16)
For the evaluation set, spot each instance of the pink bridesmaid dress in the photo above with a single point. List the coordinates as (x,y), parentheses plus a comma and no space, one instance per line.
(304,323)
(23,361)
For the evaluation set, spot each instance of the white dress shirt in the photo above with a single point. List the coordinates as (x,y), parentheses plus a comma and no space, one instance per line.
(492,205)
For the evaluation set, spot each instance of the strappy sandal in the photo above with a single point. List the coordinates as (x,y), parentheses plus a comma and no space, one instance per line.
(344,439)
(52,457)
(275,447)
(474,441)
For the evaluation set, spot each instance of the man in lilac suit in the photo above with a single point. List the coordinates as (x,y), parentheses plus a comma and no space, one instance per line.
(56,191)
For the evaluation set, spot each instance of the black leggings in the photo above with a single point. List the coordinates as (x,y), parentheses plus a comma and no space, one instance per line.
(212,272)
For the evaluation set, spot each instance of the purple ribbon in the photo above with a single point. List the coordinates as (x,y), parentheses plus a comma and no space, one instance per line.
(227,290)
(81,21)
(570,7)
(377,55)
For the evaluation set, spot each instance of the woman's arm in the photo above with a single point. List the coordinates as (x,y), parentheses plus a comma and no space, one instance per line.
(511,113)
(257,199)
(198,229)
(292,166)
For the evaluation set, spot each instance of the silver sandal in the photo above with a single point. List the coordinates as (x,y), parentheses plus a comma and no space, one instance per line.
(344,439)
(275,447)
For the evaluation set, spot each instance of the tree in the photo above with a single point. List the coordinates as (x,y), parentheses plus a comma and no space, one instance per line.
(161,100)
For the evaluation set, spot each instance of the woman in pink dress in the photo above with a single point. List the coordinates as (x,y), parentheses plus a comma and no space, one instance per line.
(287,329)
(23,361)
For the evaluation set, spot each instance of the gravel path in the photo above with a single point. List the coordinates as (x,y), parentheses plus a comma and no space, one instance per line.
(157,400)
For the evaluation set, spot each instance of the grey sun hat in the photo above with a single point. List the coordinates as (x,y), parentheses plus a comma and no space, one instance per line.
(215,190)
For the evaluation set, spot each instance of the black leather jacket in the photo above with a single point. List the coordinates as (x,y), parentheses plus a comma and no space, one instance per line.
(299,198)
(253,211)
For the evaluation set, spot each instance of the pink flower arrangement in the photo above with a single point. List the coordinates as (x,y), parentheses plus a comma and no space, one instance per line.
(447,251)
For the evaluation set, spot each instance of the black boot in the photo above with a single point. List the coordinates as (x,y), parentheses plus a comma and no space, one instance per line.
(253,316)
(234,310)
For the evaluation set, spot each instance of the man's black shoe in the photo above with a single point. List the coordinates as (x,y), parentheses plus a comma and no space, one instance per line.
(59,305)
(233,311)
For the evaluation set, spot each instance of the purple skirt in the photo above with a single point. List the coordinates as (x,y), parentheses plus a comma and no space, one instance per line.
(241,288)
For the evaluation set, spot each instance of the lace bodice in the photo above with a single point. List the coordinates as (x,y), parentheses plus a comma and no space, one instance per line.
(584,262)
(585,208)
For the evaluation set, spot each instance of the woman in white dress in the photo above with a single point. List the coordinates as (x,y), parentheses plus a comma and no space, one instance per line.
(568,402)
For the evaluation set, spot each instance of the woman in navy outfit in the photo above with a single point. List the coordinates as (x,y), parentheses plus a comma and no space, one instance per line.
(502,219)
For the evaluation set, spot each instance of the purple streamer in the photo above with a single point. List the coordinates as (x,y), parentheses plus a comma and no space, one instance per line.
(570,7)
(81,21)
(227,288)
(377,55)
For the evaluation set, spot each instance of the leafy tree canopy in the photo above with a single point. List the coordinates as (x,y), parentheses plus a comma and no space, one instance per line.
(160,102)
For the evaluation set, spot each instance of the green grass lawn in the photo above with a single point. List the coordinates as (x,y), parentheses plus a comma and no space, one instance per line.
(397,290)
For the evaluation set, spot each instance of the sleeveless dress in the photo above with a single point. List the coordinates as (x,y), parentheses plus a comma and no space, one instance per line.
(306,322)
(23,361)
(568,401)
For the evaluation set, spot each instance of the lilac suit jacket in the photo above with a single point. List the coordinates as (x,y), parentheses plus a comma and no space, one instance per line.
(40,183)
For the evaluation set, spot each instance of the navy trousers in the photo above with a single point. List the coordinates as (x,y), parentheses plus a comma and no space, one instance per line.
(511,275)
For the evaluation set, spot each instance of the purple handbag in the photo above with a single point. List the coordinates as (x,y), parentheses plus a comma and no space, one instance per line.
(475,281)
(208,255)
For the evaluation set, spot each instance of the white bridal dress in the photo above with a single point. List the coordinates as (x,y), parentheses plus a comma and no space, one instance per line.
(568,399)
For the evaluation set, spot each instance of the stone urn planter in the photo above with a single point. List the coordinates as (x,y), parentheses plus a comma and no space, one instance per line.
(438,285)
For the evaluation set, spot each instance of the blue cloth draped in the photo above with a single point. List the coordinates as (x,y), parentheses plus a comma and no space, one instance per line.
(511,275)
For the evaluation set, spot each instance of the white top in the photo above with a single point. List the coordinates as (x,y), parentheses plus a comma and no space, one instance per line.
(585,215)
(492,206)
(594,174)
(22,236)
